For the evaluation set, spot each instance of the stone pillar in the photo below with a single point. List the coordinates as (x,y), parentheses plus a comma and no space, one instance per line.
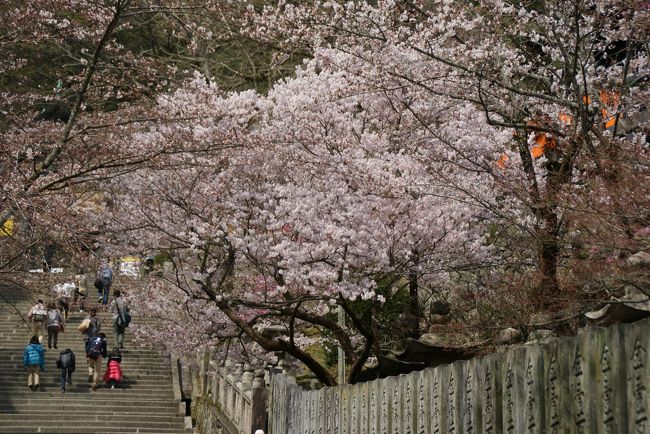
(204,365)
(513,397)
(533,392)
(214,385)
(637,347)
(344,410)
(422,402)
(225,387)
(328,410)
(374,402)
(246,407)
(384,400)
(581,387)
(354,409)
(440,381)
(456,392)
(613,411)
(408,400)
(238,396)
(489,392)
(364,425)
(259,398)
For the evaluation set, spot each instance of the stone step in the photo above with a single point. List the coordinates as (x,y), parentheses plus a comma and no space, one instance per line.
(89,415)
(73,400)
(54,390)
(16,429)
(80,425)
(144,402)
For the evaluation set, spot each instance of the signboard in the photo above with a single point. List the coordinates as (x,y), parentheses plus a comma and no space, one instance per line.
(7,228)
(130,266)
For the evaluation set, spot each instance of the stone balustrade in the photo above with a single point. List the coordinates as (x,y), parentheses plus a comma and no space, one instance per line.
(597,382)
(237,394)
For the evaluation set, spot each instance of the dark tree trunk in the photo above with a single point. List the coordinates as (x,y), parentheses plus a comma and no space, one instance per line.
(413,314)
(548,252)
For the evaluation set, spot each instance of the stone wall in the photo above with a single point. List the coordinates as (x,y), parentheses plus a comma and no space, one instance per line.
(228,399)
(594,383)
(208,418)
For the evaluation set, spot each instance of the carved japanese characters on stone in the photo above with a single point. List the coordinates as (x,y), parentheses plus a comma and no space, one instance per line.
(469,406)
(531,398)
(554,398)
(510,415)
(608,408)
(639,387)
(435,405)
(489,402)
(421,405)
(581,418)
(452,405)
(408,401)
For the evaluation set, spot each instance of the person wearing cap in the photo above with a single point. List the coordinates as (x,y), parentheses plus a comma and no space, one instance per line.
(37,315)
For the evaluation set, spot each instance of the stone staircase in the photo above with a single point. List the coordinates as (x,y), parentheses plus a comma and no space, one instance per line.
(145,402)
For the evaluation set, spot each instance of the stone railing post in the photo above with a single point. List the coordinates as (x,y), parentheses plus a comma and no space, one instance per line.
(245,399)
(237,396)
(229,392)
(195,381)
(259,399)
(223,384)
(204,366)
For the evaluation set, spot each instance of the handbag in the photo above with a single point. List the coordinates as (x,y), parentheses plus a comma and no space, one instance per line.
(85,324)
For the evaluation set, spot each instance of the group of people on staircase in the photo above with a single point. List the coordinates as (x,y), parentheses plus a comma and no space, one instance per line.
(48,316)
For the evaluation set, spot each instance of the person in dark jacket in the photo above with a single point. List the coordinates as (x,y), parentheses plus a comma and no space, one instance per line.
(94,327)
(66,363)
(54,324)
(33,361)
(95,351)
(119,307)
(105,280)
(113,374)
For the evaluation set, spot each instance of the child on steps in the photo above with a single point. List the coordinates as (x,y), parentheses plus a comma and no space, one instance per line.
(113,374)
(66,363)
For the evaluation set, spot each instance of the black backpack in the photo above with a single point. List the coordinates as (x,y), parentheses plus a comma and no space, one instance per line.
(95,348)
(67,359)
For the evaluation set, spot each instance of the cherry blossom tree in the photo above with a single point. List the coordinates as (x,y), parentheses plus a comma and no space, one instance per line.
(476,153)
(447,150)
(566,78)
(78,78)
(278,209)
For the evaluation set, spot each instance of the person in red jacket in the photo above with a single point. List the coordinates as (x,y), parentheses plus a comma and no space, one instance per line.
(113,374)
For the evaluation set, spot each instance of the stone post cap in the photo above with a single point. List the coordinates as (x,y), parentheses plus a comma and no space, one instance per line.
(247,377)
(258,380)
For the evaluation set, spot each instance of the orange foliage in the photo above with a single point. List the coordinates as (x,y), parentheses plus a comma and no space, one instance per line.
(503,159)
(612,100)
(565,118)
(542,143)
